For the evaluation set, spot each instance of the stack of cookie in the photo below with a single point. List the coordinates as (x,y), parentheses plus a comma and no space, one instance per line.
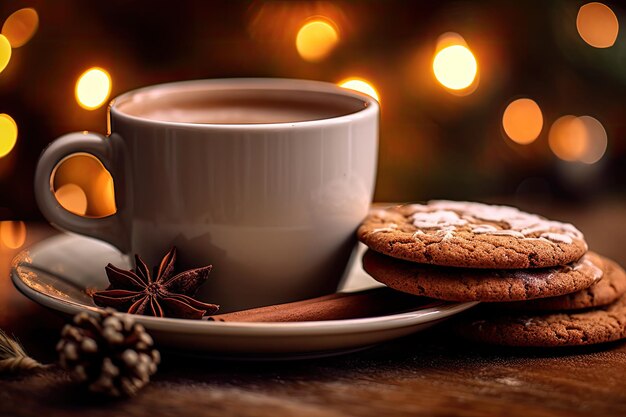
(547,288)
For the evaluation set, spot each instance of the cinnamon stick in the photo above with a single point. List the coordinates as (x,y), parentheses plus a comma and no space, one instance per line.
(342,305)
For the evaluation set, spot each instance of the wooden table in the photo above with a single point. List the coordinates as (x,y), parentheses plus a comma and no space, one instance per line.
(429,374)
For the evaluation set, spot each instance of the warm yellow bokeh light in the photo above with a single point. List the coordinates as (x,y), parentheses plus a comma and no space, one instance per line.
(448,39)
(12,234)
(93,88)
(21,26)
(455,67)
(568,138)
(316,39)
(596,140)
(8,134)
(597,25)
(5,52)
(361,85)
(72,198)
(522,121)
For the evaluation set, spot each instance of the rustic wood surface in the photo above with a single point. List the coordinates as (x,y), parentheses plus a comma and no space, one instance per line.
(429,374)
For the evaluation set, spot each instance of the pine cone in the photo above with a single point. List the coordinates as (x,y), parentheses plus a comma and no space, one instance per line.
(109,352)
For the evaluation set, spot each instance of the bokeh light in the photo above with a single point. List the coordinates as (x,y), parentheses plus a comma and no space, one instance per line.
(8,134)
(106,190)
(72,198)
(596,140)
(84,186)
(582,139)
(597,25)
(316,39)
(21,26)
(359,84)
(455,67)
(522,121)
(5,52)
(93,88)
(12,234)
(567,138)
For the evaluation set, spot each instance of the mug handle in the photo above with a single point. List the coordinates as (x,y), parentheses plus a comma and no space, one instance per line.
(112,229)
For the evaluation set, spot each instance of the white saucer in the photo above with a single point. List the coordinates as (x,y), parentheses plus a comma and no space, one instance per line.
(55,273)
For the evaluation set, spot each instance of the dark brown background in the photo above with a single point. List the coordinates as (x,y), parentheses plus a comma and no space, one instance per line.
(433,144)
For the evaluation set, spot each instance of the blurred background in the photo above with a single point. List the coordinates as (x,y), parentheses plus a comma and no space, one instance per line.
(481,100)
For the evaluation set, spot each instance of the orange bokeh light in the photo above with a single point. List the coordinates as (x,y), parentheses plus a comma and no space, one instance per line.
(21,26)
(581,139)
(567,138)
(597,25)
(596,140)
(84,186)
(522,121)
(316,39)
(106,191)
(12,234)
(72,198)
(359,84)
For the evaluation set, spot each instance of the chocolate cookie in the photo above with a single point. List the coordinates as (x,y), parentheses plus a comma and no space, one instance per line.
(603,324)
(461,284)
(471,235)
(610,288)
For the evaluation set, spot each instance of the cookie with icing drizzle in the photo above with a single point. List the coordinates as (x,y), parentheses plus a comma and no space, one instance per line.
(606,291)
(575,328)
(491,285)
(471,235)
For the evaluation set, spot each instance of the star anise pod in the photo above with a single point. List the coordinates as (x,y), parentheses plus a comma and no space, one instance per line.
(161,294)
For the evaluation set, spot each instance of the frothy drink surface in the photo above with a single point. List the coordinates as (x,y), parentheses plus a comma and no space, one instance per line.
(241,107)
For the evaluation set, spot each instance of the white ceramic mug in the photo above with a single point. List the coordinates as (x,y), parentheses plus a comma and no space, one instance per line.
(273,206)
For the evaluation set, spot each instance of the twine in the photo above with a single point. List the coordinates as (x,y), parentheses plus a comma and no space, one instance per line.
(13,358)
(20,364)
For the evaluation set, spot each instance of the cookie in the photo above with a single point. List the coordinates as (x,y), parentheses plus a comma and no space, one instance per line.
(610,288)
(603,324)
(471,235)
(463,284)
